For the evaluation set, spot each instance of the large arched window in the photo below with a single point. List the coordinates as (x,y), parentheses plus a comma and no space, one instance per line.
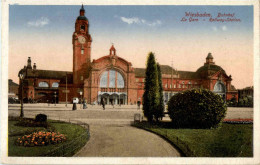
(55,85)
(111,79)
(219,87)
(43,84)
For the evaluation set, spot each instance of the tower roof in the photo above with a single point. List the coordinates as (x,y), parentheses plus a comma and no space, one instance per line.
(112,47)
(209,56)
(82,8)
(82,14)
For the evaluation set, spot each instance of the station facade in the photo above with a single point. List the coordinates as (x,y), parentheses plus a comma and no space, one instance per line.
(114,78)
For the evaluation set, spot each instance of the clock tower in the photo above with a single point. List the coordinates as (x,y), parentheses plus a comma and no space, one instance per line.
(81,41)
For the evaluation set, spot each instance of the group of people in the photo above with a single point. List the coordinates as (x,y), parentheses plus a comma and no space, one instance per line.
(84,103)
(102,103)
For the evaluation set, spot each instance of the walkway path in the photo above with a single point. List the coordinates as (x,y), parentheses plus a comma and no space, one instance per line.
(125,141)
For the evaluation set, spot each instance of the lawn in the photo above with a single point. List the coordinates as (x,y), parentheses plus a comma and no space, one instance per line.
(229,140)
(71,131)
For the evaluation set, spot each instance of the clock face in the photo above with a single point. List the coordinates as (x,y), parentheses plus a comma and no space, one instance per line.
(82,39)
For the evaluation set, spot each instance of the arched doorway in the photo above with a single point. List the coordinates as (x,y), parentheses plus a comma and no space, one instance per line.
(220,89)
(112,98)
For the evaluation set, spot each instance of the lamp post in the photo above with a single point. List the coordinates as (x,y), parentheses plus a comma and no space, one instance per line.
(80,97)
(21,76)
(55,97)
(66,91)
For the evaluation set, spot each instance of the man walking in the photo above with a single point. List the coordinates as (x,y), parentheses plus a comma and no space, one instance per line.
(103,103)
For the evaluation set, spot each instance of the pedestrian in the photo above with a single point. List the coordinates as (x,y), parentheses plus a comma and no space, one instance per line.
(103,103)
(74,107)
(138,104)
(112,102)
(85,104)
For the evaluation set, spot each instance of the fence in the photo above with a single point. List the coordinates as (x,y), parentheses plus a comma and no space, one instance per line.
(69,149)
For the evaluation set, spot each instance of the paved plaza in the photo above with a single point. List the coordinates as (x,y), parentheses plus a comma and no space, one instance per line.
(110,130)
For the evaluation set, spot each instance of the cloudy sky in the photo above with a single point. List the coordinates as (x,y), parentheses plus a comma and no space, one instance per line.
(45,34)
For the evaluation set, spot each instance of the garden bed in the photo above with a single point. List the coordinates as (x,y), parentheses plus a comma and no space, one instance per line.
(229,140)
(76,138)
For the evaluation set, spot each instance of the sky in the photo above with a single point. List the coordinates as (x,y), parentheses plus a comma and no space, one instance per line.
(44,33)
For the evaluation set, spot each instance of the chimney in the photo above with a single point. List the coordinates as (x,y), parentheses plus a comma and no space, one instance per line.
(34,66)
(29,63)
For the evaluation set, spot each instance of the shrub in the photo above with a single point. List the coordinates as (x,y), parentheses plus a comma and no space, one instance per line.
(27,122)
(41,118)
(196,108)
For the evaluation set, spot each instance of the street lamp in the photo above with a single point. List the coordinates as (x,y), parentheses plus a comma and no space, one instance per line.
(66,90)
(80,97)
(55,98)
(21,76)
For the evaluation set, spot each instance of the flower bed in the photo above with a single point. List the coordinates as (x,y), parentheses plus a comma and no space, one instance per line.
(40,139)
(238,121)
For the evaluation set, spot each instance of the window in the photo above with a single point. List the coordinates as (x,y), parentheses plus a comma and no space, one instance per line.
(115,78)
(81,78)
(112,77)
(55,85)
(137,80)
(43,84)
(179,85)
(174,86)
(120,81)
(82,51)
(170,85)
(219,87)
(103,80)
(166,85)
(82,27)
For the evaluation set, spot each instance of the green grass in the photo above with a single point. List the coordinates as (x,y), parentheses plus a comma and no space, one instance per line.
(71,131)
(229,140)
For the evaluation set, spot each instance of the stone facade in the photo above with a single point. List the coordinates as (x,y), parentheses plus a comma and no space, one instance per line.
(113,78)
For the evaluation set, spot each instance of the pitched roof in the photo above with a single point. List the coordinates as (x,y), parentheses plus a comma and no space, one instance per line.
(139,72)
(11,83)
(165,69)
(187,74)
(69,79)
(233,88)
(51,74)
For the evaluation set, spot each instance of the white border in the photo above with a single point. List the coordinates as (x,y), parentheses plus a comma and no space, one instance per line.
(124,160)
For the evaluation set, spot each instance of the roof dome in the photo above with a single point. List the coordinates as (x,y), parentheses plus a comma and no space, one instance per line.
(82,18)
(207,70)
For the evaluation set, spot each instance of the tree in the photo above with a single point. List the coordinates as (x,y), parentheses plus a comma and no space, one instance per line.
(160,109)
(151,92)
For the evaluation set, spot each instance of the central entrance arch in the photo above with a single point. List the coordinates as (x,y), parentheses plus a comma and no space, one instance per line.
(113,98)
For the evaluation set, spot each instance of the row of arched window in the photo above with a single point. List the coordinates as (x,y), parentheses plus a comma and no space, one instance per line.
(45,84)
